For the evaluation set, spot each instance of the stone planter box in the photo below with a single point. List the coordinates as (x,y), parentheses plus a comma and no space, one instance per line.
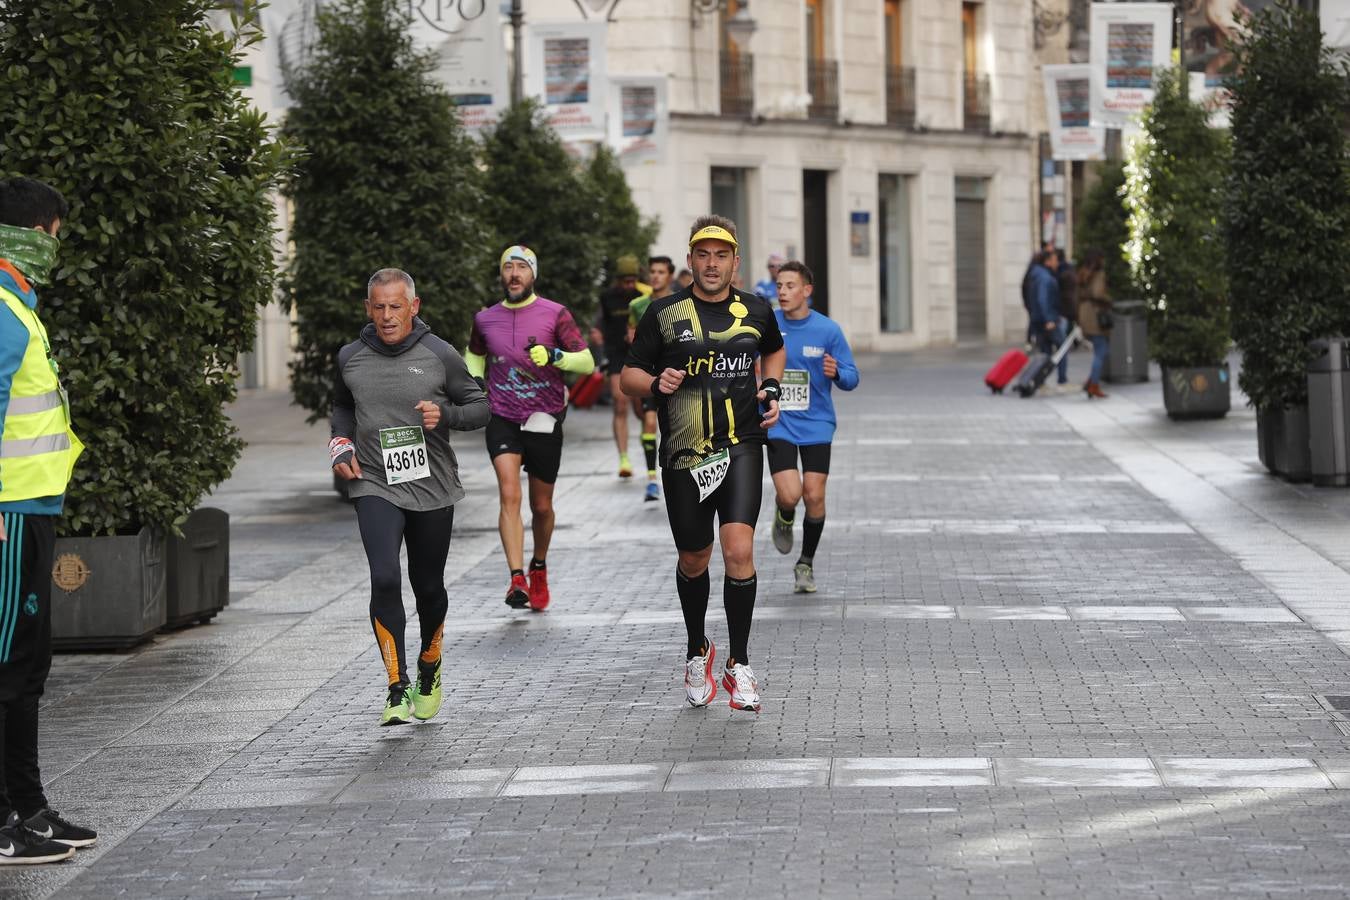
(1197,392)
(198,569)
(108,593)
(1282,439)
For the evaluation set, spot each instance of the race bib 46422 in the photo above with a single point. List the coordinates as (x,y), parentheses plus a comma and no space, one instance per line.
(709,474)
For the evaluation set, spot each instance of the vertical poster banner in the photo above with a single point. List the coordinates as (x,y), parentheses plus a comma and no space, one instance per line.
(1129,41)
(466,38)
(1072,135)
(567,72)
(1336,23)
(638,117)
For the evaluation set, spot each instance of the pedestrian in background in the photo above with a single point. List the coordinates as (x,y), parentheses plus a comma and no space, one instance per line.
(1046,313)
(39,455)
(768,287)
(1094,316)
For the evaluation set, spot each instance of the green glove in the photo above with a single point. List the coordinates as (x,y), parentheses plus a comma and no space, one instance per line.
(540,355)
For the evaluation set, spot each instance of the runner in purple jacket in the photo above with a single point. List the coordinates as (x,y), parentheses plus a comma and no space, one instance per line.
(520,348)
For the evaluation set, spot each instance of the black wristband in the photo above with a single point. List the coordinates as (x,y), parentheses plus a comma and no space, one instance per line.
(771,389)
(656,388)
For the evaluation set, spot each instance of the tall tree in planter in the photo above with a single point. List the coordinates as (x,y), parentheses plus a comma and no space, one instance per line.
(621,229)
(1104,223)
(1287,215)
(1174,194)
(539,196)
(388,178)
(167,252)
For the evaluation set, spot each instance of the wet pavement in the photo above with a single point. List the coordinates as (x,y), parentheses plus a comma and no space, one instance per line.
(1060,648)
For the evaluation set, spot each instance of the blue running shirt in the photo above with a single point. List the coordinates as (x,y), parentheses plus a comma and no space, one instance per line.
(808,340)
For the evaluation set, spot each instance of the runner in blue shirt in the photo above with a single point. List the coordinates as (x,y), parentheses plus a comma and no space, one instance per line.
(818,358)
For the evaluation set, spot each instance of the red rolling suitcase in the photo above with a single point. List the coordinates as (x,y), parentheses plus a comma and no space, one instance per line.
(587,390)
(1005,370)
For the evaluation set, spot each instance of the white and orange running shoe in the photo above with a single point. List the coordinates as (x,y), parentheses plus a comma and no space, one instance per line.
(740,683)
(699,686)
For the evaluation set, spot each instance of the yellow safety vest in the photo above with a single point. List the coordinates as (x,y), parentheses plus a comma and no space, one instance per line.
(38,448)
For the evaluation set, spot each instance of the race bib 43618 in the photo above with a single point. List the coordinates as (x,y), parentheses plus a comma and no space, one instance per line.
(405,454)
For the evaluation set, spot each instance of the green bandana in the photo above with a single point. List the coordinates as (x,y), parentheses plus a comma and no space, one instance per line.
(32,251)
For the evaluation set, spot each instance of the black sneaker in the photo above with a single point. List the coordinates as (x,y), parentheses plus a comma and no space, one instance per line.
(48,823)
(22,846)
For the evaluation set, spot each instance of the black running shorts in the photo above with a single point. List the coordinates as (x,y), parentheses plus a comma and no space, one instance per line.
(736,499)
(648,405)
(783,456)
(541,453)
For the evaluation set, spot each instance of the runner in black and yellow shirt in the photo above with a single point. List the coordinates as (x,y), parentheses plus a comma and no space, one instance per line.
(695,352)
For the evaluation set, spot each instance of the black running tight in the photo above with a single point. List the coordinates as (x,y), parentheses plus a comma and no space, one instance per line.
(384,528)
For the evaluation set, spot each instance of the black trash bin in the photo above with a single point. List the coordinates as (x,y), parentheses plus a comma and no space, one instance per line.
(1127,360)
(1329,412)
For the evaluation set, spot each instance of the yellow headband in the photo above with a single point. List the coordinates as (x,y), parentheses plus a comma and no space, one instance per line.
(712,233)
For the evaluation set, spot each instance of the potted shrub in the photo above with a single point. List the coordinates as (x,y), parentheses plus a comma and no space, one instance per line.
(165,257)
(1287,221)
(1174,190)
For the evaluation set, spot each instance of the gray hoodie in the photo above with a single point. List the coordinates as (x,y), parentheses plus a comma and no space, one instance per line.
(379,386)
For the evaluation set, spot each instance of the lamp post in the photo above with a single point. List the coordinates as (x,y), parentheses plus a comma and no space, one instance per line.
(517,80)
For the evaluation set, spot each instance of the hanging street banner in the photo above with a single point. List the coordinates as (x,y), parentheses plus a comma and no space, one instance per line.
(1336,23)
(1072,135)
(1129,41)
(638,117)
(466,38)
(566,71)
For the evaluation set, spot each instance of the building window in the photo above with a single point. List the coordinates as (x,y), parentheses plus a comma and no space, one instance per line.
(730,197)
(900,93)
(975,83)
(894,240)
(736,70)
(822,72)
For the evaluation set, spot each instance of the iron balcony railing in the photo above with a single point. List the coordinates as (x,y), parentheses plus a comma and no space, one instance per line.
(976,102)
(738,84)
(822,83)
(900,96)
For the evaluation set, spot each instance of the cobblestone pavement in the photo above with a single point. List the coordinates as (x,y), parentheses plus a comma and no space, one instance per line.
(1060,649)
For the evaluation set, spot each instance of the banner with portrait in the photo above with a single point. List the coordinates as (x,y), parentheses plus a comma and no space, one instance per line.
(566,70)
(466,38)
(1072,135)
(1129,42)
(639,117)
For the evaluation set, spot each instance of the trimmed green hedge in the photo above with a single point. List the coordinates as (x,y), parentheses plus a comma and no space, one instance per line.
(167,252)
(1288,203)
(1174,193)
(1104,223)
(388,178)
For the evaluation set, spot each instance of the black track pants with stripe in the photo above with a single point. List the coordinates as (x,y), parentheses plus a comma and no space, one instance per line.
(25,654)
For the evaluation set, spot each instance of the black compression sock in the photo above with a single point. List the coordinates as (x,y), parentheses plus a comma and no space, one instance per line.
(515,572)
(694,604)
(787,515)
(811,529)
(738,598)
(536,564)
(649,450)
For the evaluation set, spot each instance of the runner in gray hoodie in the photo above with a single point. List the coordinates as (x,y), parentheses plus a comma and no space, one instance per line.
(399,392)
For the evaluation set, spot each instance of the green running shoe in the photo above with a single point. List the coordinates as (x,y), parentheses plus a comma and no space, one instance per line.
(427,697)
(397,708)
